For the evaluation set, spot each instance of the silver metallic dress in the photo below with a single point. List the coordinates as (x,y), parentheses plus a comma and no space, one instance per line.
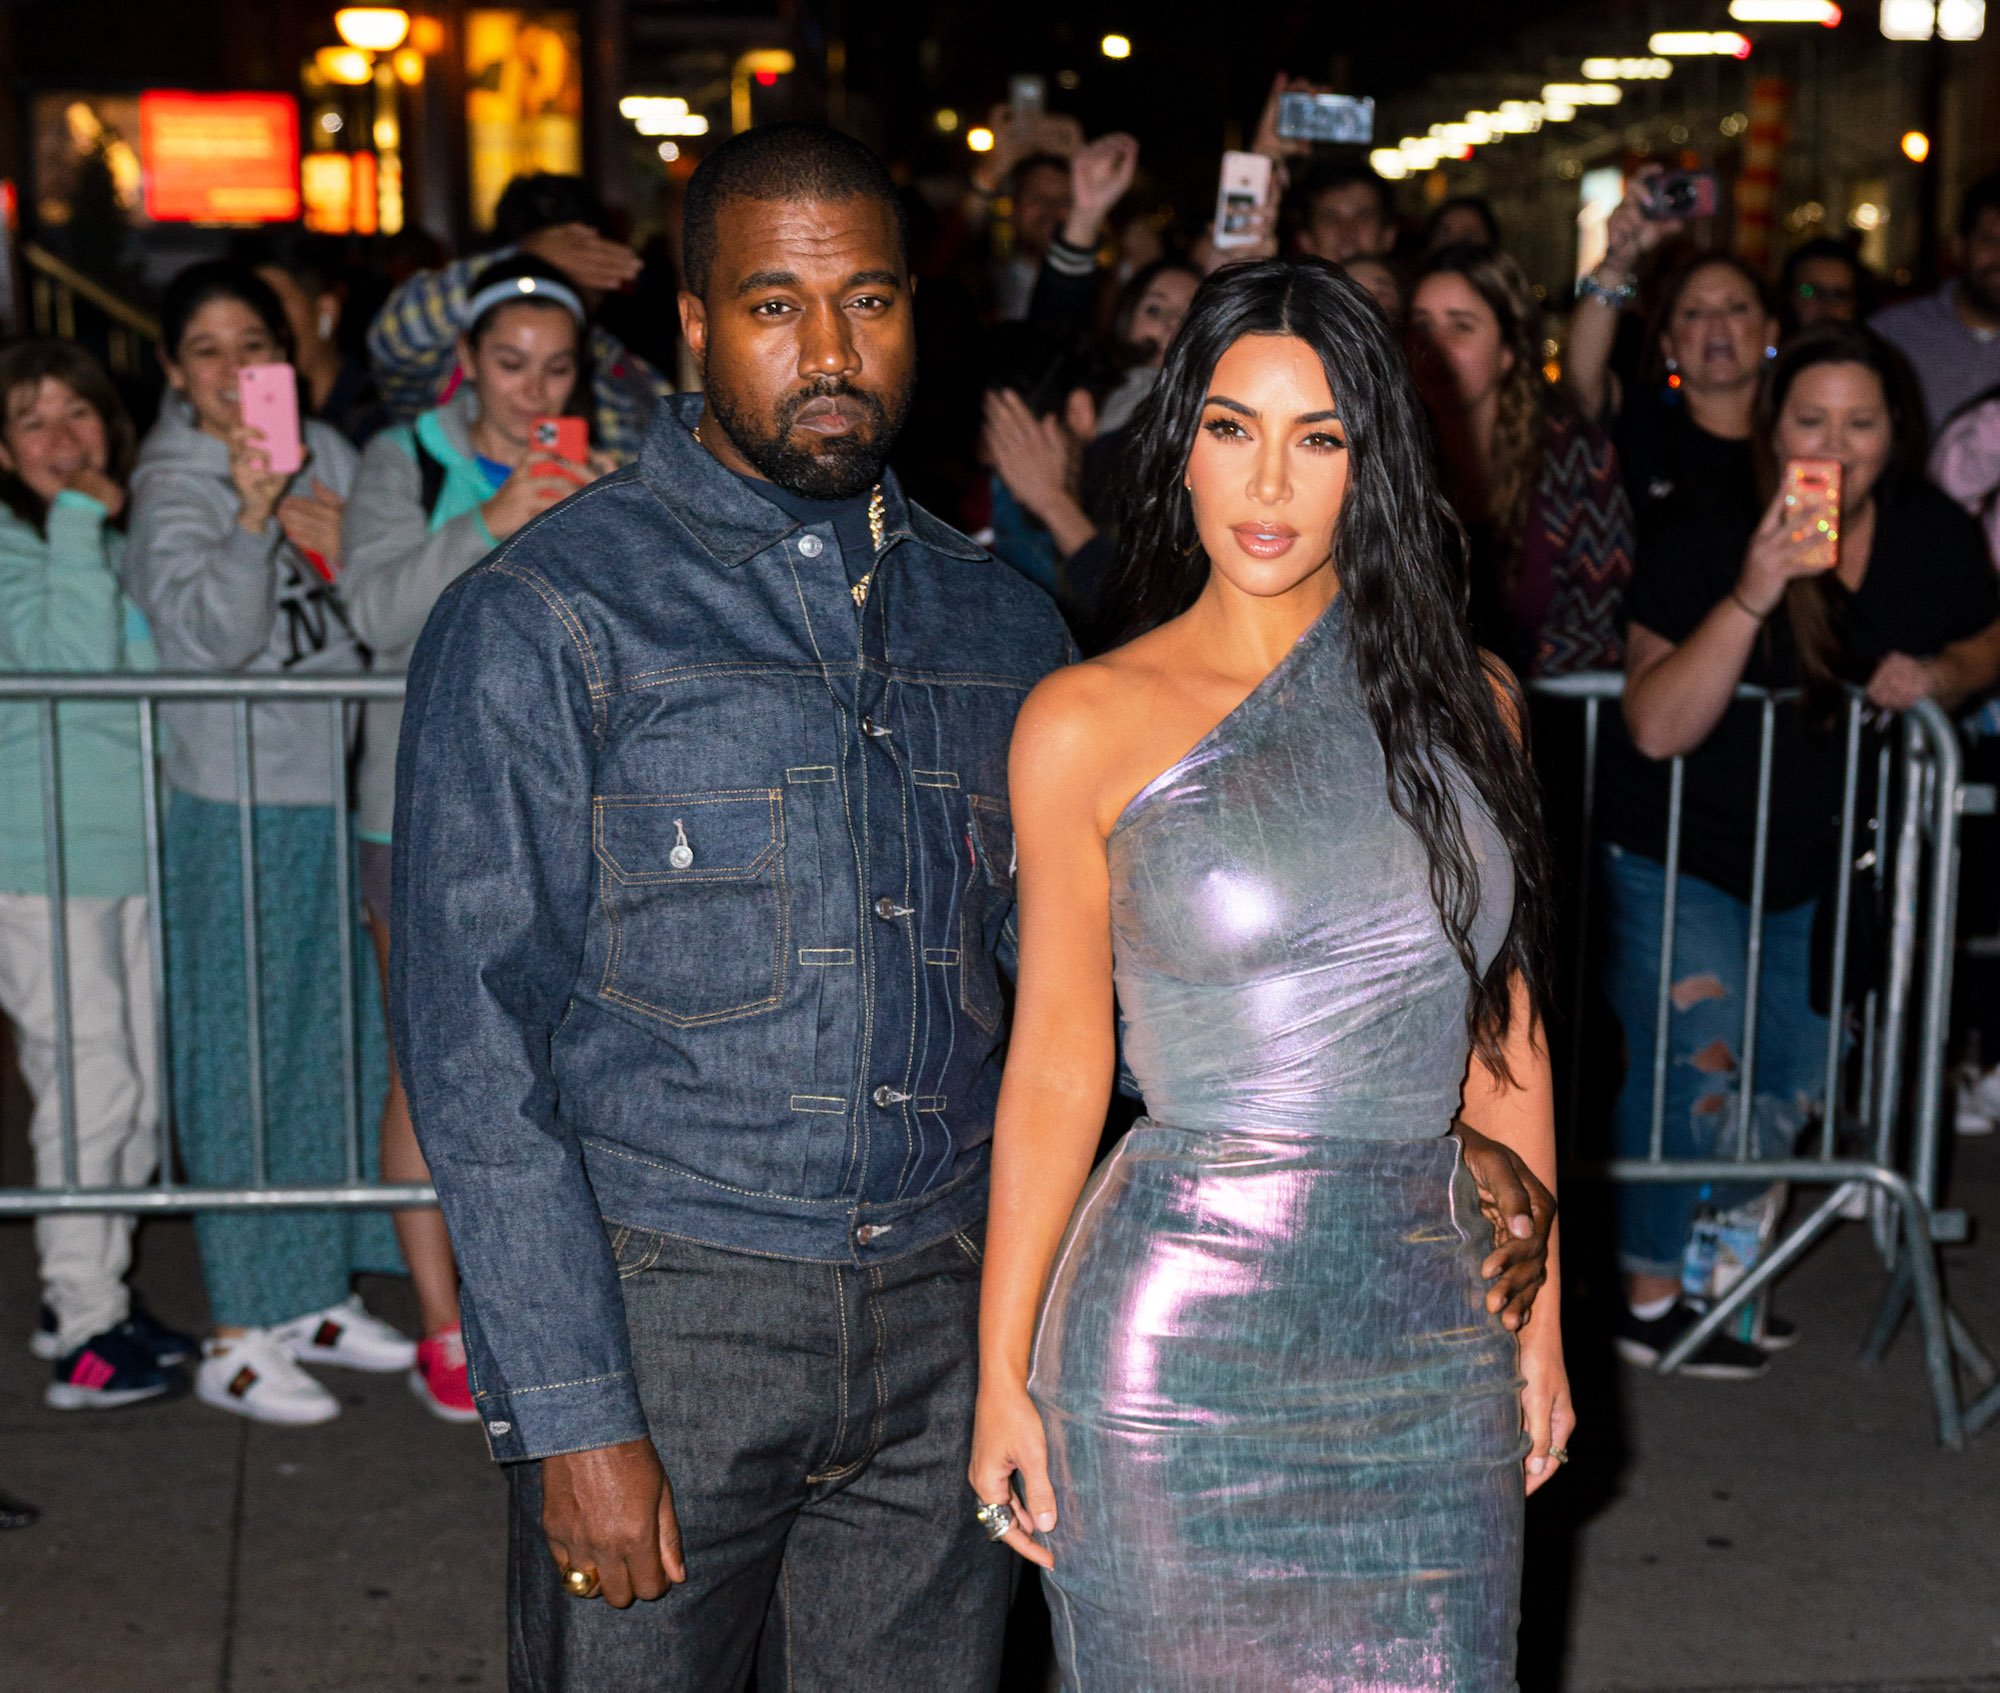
(1284,1431)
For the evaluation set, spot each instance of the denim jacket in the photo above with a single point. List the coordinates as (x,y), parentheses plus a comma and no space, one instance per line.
(704,883)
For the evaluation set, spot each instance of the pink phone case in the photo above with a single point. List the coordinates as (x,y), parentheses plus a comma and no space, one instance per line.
(270,397)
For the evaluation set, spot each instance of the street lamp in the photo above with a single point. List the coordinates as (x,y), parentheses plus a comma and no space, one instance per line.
(1700,43)
(1919,20)
(1116,47)
(1822,12)
(373,29)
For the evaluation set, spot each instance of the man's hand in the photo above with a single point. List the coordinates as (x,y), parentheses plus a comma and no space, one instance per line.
(610,1511)
(1522,1213)
(588,259)
(1099,177)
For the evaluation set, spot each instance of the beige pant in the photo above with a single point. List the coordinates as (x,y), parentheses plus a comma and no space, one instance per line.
(84,1256)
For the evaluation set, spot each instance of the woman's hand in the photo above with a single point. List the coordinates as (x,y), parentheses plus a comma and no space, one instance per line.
(538,482)
(311,522)
(1099,176)
(257,484)
(1629,235)
(1900,681)
(1545,1402)
(95,484)
(1771,562)
(1008,1444)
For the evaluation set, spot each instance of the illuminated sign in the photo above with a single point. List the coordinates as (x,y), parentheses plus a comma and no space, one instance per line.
(219,158)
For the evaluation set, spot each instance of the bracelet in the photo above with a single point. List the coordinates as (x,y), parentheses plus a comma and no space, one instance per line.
(1606,294)
(1748,609)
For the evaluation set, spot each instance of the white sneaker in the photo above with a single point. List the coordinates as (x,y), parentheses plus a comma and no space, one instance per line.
(254,1375)
(1978,1100)
(349,1335)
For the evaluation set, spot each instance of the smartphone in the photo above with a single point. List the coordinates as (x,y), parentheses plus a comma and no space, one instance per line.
(1340,118)
(566,437)
(1812,510)
(1683,194)
(1246,180)
(269,394)
(1028,95)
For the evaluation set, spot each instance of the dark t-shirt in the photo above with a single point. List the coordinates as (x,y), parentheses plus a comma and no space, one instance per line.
(1676,471)
(849,518)
(1928,584)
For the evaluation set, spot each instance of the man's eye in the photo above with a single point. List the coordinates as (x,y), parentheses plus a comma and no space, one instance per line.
(770,308)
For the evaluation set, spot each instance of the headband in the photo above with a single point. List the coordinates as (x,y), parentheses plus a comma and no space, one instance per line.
(533,288)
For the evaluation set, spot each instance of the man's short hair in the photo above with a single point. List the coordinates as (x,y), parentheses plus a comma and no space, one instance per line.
(530,204)
(1018,179)
(1329,178)
(1983,196)
(777,162)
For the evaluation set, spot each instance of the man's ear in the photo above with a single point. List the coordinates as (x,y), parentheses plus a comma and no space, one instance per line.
(694,325)
(172,375)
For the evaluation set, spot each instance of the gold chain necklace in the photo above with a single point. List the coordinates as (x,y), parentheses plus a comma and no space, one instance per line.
(878,525)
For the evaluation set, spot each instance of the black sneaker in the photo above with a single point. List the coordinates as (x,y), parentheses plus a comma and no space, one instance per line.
(16,1513)
(168,1346)
(1778,1334)
(1718,1359)
(111,1370)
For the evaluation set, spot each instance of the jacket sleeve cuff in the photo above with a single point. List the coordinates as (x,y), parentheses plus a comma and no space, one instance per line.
(571,1416)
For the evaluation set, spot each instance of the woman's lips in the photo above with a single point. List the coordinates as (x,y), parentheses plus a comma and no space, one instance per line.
(1264,540)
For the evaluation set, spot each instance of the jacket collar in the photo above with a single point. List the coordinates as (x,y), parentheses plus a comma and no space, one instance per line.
(726,516)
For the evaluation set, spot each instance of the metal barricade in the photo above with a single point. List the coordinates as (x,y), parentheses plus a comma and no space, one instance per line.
(339,695)
(1876,1149)
(1884,1067)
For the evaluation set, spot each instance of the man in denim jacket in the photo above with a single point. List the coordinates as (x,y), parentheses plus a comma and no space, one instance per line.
(703,868)
(703,876)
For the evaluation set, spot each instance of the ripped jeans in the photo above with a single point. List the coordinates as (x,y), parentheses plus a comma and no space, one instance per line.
(1705,1029)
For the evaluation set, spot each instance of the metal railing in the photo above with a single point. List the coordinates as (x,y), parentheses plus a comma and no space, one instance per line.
(1881,1101)
(1878,1138)
(56,288)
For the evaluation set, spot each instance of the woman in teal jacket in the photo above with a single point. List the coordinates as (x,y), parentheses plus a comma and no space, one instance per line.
(430,500)
(66,447)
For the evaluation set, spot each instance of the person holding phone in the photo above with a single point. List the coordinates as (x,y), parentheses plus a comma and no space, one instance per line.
(1909,611)
(66,449)
(1683,429)
(430,500)
(236,567)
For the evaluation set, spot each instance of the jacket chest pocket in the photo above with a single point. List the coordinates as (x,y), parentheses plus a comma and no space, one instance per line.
(693,892)
(988,902)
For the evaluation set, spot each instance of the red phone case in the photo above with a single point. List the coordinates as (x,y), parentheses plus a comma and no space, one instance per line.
(269,394)
(566,437)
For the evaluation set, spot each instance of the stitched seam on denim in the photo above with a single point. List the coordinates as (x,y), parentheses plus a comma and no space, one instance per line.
(965,1245)
(840,1380)
(934,778)
(881,1377)
(931,1102)
(956,678)
(912,1142)
(558,1386)
(644,680)
(593,682)
(826,1104)
(609,1151)
(810,773)
(940,955)
(785,1575)
(858,1117)
(826,957)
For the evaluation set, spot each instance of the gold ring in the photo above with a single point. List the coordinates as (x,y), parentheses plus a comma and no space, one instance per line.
(580,1584)
(1559,1454)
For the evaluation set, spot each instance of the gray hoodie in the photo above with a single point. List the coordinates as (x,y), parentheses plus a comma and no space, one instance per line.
(400,557)
(220,598)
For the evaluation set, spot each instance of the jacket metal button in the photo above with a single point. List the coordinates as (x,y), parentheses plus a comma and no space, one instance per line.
(888,910)
(870,727)
(886,1096)
(871,1231)
(811,545)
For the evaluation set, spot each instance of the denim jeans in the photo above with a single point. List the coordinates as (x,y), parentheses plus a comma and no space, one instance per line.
(814,1420)
(1704,1033)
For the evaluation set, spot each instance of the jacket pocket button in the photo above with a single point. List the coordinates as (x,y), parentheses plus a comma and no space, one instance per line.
(811,546)
(886,1096)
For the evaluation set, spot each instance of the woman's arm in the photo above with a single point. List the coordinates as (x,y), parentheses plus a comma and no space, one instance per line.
(1593,327)
(1058,1077)
(1517,1109)
(1962,672)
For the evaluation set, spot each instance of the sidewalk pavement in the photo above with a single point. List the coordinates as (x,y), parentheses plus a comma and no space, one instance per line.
(1798,1532)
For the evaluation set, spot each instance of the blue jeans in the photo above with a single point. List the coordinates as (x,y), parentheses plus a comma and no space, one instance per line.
(815,1421)
(1704,1032)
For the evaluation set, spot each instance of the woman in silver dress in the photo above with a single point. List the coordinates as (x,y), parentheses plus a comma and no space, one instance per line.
(1269,1432)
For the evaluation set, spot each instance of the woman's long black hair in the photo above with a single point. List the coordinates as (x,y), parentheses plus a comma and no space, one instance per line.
(1400,556)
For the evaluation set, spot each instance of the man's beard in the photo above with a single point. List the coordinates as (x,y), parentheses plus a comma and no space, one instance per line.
(841,466)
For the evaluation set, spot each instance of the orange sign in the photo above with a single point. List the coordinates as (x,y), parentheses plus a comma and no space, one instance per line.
(219,158)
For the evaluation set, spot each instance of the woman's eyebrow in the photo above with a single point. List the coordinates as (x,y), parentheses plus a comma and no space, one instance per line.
(1228,404)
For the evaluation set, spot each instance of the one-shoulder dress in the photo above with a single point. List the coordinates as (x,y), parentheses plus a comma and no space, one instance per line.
(1284,1431)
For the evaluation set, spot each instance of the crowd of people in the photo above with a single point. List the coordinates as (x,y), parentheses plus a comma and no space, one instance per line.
(1623,512)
